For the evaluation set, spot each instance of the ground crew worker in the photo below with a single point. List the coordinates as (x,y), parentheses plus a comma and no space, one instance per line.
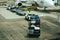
(29,11)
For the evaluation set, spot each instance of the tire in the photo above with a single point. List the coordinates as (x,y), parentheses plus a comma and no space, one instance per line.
(7,9)
(25,18)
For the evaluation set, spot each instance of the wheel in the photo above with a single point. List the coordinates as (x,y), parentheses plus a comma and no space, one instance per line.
(25,18)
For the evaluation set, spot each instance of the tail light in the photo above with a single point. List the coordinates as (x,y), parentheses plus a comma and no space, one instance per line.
(37,25)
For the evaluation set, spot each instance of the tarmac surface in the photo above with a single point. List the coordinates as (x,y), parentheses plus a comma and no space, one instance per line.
(13,29)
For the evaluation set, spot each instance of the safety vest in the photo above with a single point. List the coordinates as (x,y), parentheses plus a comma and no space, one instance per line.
(29,12)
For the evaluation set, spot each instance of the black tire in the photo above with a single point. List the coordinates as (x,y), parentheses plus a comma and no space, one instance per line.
(25,18)
(7,9)
(17,13)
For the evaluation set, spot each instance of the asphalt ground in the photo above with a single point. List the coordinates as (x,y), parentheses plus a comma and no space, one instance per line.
(17,30)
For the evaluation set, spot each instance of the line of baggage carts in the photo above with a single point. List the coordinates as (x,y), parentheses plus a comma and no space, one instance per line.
(19,10)
(34,21)
(34,25)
